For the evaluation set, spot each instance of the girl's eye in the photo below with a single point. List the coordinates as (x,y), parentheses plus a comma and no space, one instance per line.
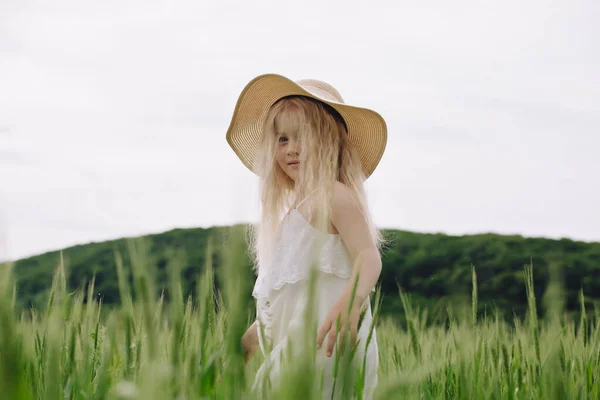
(283,139)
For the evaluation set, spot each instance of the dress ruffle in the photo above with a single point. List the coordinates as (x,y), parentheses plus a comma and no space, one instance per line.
(274,280)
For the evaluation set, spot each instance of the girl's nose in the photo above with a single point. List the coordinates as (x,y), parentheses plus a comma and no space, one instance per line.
(293,147)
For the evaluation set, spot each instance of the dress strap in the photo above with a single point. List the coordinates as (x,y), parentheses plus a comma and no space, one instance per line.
(299,204)
(306,198)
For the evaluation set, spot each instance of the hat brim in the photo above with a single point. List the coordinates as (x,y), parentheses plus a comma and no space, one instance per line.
(367,130)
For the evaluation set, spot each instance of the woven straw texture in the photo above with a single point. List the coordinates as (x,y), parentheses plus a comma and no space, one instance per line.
(367,130)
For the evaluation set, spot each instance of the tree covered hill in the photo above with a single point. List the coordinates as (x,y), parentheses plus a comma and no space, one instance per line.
(435,269)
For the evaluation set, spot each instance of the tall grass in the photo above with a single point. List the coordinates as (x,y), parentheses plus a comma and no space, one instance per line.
(175,347)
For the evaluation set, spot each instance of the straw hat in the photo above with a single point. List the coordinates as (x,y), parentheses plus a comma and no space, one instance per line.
(366,129)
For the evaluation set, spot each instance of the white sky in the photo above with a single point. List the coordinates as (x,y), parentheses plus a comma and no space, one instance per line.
(113,114)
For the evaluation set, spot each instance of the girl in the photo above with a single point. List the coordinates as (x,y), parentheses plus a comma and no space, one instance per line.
(315,247)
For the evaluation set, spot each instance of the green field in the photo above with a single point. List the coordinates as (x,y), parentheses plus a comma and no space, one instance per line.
(434,268)
(157,346)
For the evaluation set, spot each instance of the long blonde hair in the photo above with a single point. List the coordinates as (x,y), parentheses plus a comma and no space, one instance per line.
(326,156)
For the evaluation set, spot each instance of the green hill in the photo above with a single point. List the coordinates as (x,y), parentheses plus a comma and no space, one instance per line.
(434,268)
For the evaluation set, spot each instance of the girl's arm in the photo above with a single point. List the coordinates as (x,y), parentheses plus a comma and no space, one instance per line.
(354,230)
(352,226)
(250,341)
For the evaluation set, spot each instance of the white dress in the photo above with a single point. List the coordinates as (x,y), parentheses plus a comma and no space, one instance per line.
(281,293)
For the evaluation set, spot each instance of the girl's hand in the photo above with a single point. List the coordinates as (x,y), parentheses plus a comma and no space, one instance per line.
(348,321)
(250,341)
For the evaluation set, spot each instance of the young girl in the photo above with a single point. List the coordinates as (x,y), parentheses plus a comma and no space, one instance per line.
(312,154)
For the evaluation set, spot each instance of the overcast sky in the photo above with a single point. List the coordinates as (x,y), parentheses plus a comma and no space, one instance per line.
(113,113)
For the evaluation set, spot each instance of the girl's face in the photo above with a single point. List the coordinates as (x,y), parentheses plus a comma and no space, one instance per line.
(288,154)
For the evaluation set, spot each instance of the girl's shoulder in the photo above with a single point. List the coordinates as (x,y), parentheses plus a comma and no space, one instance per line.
(342,198)
(351,220)
(344,204)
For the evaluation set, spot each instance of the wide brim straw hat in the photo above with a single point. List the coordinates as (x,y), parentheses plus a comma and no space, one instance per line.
(367,130)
